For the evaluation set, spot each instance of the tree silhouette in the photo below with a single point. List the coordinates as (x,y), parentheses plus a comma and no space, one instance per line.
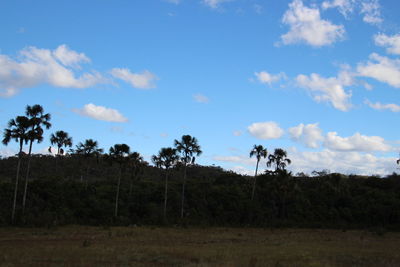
(259,152)
(167,157)
(88,149)
(188,147)
(119,153)
(135,162)
(61,139)
(279,159)
(18,129)
(38,119)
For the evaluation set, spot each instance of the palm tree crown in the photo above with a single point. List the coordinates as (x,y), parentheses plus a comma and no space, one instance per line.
(279,159)
(88,148)
(258,151)
(188,147)
(167,157)
(61,138)
(18,129)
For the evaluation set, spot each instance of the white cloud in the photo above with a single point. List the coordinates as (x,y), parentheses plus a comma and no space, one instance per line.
(379,106)
(101,113)
(357,142)
(310,134)
(371,10)
(307,26)
(144,80)
(237,159)
(8,152)
(345,6)
(215,3)
(341,162)
(382,69)
(199,98)
(267,78)
(43,66)
(328,89)
(391,42)
(237,133)
(265,130)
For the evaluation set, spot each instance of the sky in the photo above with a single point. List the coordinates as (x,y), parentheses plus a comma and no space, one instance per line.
(318,78)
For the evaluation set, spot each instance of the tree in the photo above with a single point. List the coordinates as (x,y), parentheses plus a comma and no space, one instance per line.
(88,149)
(259,152)
(61,139)
(135,162)
(38,119)
(187,147)
(119,153)
(167,157)
(279,159)
(18,129)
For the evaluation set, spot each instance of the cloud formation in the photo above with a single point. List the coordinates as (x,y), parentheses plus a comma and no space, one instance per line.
(382,69)
(328,89)
(380,106)
(265,130)
(392,43)
(357,142)
(306,26)
(37,66)
(101,113)
(199,98)
(309,135)
(267,78)
(144,80)
(214,3)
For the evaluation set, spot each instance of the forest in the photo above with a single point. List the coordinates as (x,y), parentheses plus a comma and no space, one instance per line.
(86,185)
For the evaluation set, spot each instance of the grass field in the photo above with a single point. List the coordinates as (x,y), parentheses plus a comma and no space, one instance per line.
(145,246)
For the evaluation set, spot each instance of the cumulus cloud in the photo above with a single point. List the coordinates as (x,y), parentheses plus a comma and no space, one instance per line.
(341,162)
(392,43)
(265,130)
(199,98)
(345,6)
(329,89)
(357,142)
(382,69)
(214,3)
(306,26)
(236,159)
(101,113)
(267,78)
(144,80)
(309,135)
(36,66)
(380,106)
(371,10)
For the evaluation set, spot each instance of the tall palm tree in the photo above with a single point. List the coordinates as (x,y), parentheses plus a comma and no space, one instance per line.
(38,119)
(188,148)
(61,139)
(167,157)
(135,162)
(18,129)
(119,153)
(259,152)
(279,159)
(88,149)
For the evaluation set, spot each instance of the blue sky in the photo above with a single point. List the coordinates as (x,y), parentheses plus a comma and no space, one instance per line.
(319,78)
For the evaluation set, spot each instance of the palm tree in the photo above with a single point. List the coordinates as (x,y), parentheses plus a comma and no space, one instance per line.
(279,159)
(135,161)
(18,129)
(119,153)
(187,147)
(37,119)
(88,149)
(167,157)
(61,139)
(260,152)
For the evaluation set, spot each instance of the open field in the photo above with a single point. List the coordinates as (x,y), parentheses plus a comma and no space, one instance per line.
(150,246)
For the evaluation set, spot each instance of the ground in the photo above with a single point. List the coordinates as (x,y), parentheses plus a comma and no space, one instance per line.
(153,246)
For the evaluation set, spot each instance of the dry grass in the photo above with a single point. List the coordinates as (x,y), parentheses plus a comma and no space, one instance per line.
(145,246)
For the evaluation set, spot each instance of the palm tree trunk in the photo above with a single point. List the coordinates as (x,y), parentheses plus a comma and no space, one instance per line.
(16,182)
(254,183)
(166,195)
(27,177)
(117,196)
(183,191)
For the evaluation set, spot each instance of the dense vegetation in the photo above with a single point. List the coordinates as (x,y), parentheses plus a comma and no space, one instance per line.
(88,186)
